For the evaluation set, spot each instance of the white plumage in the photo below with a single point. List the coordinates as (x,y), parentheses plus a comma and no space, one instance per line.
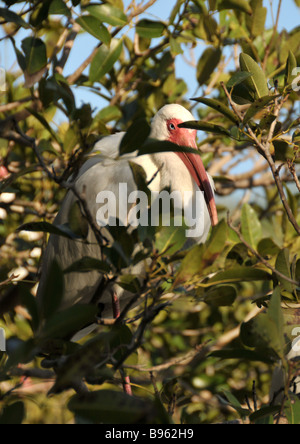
(103,171)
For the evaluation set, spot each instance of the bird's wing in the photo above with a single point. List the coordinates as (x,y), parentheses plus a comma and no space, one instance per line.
(99,173)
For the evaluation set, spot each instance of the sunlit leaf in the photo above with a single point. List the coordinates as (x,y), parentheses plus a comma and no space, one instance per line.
(251,226)
(105,59)
(92,26)
(107,14)
(241,5)
(257,82)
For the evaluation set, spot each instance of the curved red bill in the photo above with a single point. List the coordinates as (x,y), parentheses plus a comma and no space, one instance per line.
(194,164)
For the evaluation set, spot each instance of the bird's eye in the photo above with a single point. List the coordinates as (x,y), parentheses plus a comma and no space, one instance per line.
(172,127)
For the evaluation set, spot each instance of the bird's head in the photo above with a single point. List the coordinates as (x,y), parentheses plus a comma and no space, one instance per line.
(166,126)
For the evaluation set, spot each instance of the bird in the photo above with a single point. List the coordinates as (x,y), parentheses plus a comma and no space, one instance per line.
(105,170)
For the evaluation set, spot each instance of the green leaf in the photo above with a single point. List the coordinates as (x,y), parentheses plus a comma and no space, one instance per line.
(69,321)
(267,247)
(135,136)
(107,14)
(129,283)
(258,106)
(191,265)
(109,113)
(283,265)
(208,62)
(238,78)
(35,54)
(86,264)
(46,227)
(92,26)
(238,274)
(291,64)
(251,226)
(170,240)
(205,126)
(149,28)
(52,296)
(241,5)
(110,407)
(235,403)
(292,405)
(152,146)
(105,59)
(140,177)
(264,412)
(221,296)
(58,7)
(256,22)
(257,82)
(283,150)
(12,17)
(219,106)
(45,124)
(242,354)
(265,331)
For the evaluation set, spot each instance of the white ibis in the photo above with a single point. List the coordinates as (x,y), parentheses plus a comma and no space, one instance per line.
(178,171)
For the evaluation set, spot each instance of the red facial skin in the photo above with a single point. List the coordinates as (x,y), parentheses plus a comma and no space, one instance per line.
(194,164)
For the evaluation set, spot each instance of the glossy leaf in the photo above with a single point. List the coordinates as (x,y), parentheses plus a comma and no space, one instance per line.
(149,28)
(205,126)
(221,296)
(95,28)
(46,227)
(219,106)
(12,17)
(135,136)
(283,265)
(251,226)
(105,59)
(107,13)
(291,64)
(241,5)
(258,106)
(257,82)
(237,78)
(35,54)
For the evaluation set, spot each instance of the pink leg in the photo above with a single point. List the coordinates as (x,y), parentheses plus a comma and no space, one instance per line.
(116,314)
